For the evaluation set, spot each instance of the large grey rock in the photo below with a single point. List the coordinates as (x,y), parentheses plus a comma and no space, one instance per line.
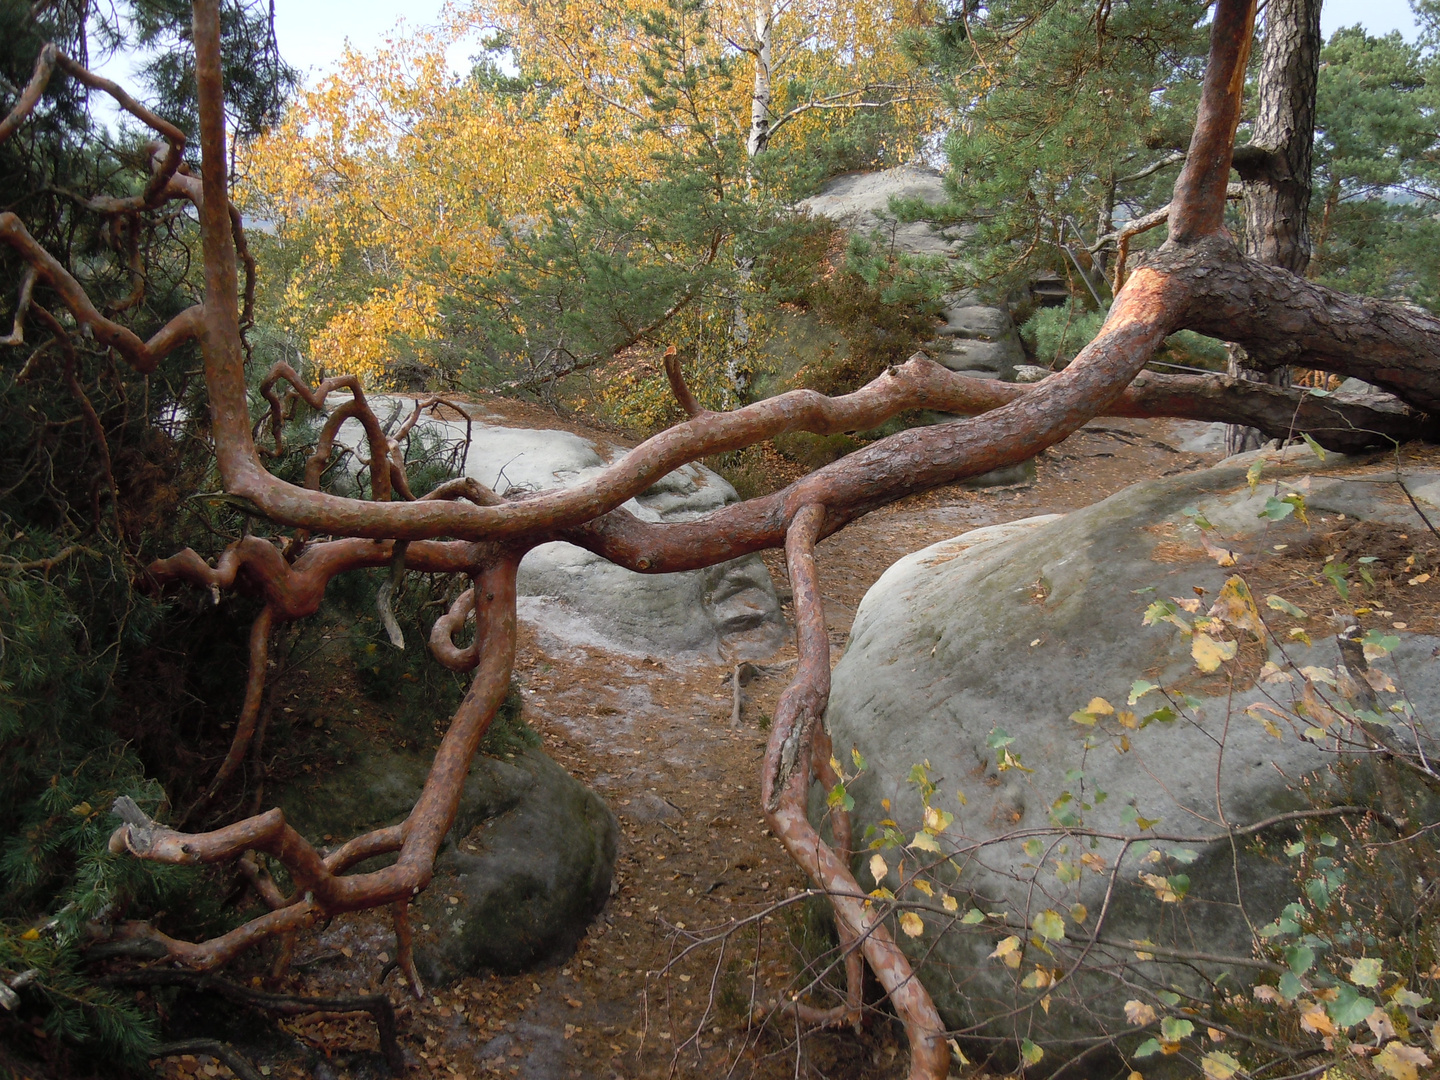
(978,339)
(525,868)
(529,865)
(577,597)
(1003,633)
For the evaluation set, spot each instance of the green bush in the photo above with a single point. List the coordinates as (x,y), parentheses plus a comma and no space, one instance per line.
(1054,336)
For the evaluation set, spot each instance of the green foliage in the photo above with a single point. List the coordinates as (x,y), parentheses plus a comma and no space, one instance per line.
(97,697)
(1067,109)
(1376,179)
(1055,335)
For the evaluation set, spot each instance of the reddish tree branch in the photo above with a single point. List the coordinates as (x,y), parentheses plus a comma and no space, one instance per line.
(249,712)
(319,884)
(785,783)
(1197,207)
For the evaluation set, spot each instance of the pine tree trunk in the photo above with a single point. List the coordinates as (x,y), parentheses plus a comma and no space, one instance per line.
(1275,167)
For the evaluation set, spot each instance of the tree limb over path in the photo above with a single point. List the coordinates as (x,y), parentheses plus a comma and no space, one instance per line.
(1197,280)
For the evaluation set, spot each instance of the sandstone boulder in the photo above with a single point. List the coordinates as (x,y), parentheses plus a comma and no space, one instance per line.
(576,597)
(971,656)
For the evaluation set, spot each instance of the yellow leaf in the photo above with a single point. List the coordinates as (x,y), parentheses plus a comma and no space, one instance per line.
(1009,951)
(878,868)
(925,842)
(1037,979)
(1219,1066)
(923,886)
(1138,1013)
(912,924)
(955,1049)
(1401,1062)
(1161,887)
(949,903)
(30,935)
(1237,607)
(1100,707)
(1314,1018)
(1209,654)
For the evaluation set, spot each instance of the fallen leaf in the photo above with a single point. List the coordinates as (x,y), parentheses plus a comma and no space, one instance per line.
(1400,1061)
(1138,1013)
(1365,971)
(1380,1025)
(1219,1065)
(1222,555)
(1313,1018)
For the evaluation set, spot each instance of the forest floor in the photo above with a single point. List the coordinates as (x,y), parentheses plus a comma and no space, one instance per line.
(702,925)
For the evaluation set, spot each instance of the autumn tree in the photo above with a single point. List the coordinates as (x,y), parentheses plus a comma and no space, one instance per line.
(1198,279)
(603,164)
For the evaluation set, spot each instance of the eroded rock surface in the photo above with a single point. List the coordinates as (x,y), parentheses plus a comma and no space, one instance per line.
(977,338)
(983,646)
(581,599)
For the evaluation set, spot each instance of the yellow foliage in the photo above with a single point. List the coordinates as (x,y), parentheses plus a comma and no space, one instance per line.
(390,184)
(393,163)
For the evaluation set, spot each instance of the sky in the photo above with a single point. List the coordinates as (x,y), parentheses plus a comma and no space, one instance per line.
(313,33)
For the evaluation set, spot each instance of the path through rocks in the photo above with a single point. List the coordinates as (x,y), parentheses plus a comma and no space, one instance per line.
(656,989)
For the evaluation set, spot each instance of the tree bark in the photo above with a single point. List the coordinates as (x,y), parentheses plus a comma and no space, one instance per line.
(1275,166)
(763,29)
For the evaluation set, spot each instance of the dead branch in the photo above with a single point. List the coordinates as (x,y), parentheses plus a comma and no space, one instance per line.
(228,1056)
(377,1005)
(320,888)
(677,384)
(1121,237)
(22,308)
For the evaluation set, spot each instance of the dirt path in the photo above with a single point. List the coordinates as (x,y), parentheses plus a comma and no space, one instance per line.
(654,737)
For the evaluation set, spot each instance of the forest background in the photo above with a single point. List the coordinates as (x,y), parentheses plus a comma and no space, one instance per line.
(605,181)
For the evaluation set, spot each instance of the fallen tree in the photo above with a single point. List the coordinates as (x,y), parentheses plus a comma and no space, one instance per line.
(1198,280)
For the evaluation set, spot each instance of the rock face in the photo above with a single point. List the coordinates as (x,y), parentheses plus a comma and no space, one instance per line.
(983,646)
(528,862)
(579,598)
(978,339)
(530,867)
